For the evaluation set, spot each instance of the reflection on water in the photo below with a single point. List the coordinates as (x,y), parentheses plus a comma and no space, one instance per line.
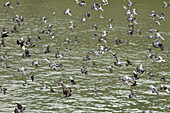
(113,93)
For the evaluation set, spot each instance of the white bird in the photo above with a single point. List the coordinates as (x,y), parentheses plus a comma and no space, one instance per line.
(77,2)
(124,7)
(158,35)
(128,12)
(68,12)
(165,4)
(110,26)
(160,59)
(84,20)
(157,22)
(101,16)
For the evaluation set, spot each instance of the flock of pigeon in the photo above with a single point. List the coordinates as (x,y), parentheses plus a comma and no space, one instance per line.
(131,14)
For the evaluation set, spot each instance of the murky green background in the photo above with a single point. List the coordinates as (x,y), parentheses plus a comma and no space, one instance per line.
(113,94)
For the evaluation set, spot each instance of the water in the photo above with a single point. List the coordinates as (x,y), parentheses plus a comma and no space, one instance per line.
(113,94)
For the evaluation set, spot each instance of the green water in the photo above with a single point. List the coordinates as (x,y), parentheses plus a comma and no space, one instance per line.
(113,94)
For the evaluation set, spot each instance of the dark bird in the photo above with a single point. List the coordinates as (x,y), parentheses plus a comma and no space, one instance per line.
(32,77)
(43,86)
(132,95)
(66,92)
(26,83)
(35,63)
(118,63)
(96,90)
(20,107)
(38,39)
(94,64)
(128,63)
(18,4)
(47,50)
(72,80)
(158,44)
(84,70)
(44,19)
(163,79)
(15,30)
(6,64)
(4,33)
(68,48)
(135,75)
(110,68)
(51,89)
(140,69)
(58,55)
(87,57)
(61,81)
(95,26)
(16,110)
(26,54)
(4,90)
(163,87)
(76,40)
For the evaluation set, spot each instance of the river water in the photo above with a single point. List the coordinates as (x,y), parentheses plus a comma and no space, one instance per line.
(113,93)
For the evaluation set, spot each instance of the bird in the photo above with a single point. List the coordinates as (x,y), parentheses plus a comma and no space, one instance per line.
(4,33)
(25,83)
(35,63)
(128,80)
(165,4)
(66,92)
(8,4)
(135,75)
(84,70)
(93,64)
(132,95)
(153,89)
(51,89)
(18,4)
(124,7)
(4,90)
(118,63)
(140,69)
(43,86)
(15,30)
(95,26)
(130,3)
(158,44)
(47,49)
(32,77)
(61,81)
(96,90)
(128,63)
(20,107)
(163,87)
(22,70)
(44,19)
(72,80)
(58,55)
(110,68)
(68,12)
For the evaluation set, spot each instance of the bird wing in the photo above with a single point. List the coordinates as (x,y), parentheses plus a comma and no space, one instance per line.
(129,2)
(64,89)
(117,58)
